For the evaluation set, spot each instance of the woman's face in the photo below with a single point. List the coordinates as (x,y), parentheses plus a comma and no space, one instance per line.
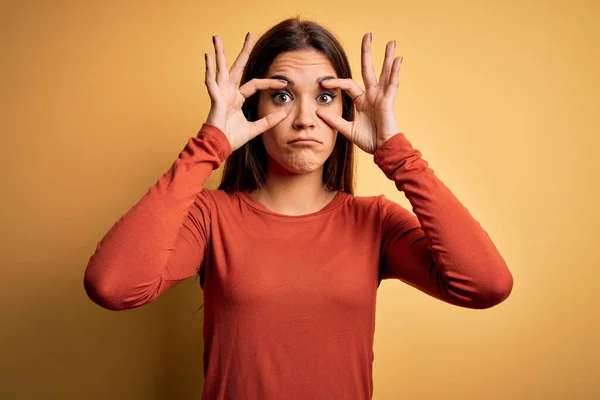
(302,96)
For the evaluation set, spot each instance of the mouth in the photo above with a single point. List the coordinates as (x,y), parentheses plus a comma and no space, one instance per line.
(304,141)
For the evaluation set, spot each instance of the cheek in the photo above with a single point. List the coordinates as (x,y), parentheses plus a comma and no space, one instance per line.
(274,149)
(269,138)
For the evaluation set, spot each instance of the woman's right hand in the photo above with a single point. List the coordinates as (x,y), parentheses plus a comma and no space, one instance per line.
(227,97)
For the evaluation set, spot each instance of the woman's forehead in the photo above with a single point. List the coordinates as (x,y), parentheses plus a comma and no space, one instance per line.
(301,64)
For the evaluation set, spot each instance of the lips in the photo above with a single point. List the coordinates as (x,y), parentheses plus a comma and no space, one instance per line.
(304,139)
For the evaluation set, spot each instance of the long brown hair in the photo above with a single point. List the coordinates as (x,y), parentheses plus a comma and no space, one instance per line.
(245,168)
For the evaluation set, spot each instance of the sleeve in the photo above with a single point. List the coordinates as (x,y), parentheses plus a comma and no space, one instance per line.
(161,240)
(443,251)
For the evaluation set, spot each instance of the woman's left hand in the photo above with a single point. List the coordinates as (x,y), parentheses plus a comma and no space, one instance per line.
(374,120)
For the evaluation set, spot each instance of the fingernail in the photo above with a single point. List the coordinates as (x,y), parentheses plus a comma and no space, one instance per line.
(394,43)
(370,37)
(282,81)
(247,34)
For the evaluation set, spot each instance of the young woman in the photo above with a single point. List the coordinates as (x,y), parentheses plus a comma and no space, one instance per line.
(289,259)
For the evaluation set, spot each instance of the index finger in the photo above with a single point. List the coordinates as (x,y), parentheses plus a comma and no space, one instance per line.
(368,73)
(256,84)
(237,68)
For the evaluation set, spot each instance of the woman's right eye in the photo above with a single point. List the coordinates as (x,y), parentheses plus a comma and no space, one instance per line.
(281,97)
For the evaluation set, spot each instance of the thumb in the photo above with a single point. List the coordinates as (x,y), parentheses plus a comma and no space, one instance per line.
(336,122)
(266,123)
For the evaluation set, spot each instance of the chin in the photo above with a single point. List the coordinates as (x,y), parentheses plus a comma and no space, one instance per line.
(299,163)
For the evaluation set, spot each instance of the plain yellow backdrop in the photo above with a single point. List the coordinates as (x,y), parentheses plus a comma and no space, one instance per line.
(501,98)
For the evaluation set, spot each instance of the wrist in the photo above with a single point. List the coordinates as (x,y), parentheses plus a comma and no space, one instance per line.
(216,120)
(386,131)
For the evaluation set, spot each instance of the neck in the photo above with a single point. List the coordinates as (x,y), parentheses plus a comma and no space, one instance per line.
(293,194)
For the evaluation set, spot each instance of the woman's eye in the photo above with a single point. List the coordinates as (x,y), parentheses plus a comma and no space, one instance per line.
(280,97)
(325,98)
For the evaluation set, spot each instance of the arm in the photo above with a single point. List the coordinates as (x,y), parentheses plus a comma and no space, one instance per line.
(161,240)
(443,251)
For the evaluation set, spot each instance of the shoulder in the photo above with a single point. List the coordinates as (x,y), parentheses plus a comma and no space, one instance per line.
(380,205)
(364,201)
(363,206)
(379,201)
(220,197)
(379,209)
(222,202)
(394,213)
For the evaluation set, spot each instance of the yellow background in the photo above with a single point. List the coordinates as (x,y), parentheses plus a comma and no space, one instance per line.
(98,98)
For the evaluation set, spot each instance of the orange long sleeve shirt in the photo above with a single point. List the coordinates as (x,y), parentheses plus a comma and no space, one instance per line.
(289,301)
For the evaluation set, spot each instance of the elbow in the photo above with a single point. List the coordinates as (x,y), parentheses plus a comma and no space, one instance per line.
(102,283)
(112,286)
(102,293)
(116,293)
(109,291)
(496,291)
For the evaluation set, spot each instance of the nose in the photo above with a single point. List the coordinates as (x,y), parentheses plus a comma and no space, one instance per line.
(305,115)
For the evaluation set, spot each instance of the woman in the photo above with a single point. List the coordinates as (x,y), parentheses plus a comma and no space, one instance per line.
(289,259)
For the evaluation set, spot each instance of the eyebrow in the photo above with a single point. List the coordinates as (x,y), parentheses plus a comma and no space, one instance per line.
(291,82)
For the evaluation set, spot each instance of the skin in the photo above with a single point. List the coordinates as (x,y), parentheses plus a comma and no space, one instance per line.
(294,172)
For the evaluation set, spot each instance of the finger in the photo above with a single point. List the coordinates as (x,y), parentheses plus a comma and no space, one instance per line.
(209,77)
(222,73)
(347,85)
(392,87)
(266,123)
(237,69)
(387,64)
(368,72)
(250,87)
(336,122)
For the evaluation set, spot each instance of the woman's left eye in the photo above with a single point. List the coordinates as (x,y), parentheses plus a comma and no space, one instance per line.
(328,98)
